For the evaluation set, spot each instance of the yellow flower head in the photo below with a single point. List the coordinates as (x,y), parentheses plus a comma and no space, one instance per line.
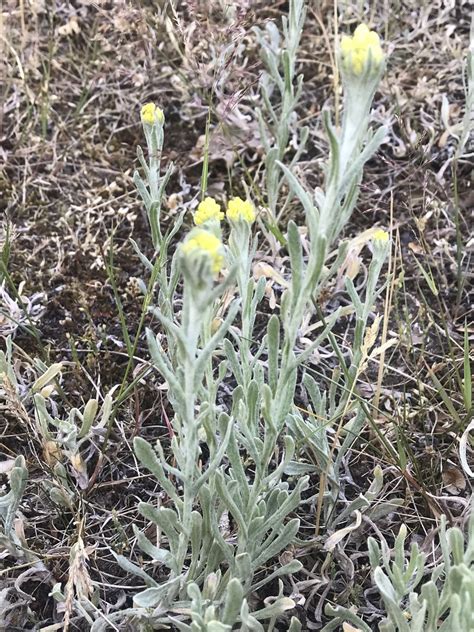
(207,210)
(205,243)
(380,235)
(240,209)
(357,50)
(151,114)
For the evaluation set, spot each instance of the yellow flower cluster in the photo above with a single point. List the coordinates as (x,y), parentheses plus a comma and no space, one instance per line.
(207,210)
(238,209)
(205,243)
(151,114)
(358,49)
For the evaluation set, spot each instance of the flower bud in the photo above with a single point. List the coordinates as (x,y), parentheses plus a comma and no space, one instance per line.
(47,390)
(151,114)
(361,51)
(380,235)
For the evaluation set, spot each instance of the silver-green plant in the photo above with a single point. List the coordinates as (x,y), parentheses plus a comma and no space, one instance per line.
(64,437)
(196,544)
(235,610)
(151,188)
(466,127)
(441,602)
(18,475)
(328,407)
(278,119)
(6,366)
(228,510)
(327,211)
(9,504)
(468,120)
(204,616)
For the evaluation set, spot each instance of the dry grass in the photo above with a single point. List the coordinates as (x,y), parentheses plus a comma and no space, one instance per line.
(76,76)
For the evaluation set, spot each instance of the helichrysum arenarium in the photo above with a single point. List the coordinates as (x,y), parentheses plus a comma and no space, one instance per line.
(151,113)
(358,49)
(208,210)
(238,209)
(207,244)
(380,235)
